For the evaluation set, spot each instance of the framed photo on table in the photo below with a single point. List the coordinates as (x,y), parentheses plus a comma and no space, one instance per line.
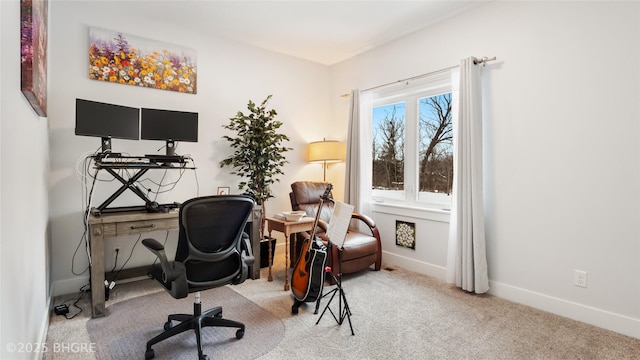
(223,190)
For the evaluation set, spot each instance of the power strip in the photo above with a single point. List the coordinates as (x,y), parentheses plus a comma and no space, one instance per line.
(61,309)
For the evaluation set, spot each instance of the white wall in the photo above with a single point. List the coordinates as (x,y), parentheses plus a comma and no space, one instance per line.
(24,257)
(561,149)
(229,74)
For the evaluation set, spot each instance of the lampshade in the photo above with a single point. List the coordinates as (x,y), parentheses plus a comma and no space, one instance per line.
(325,151)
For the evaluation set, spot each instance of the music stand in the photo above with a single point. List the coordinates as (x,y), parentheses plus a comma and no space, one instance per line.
(342,312)
(337,229)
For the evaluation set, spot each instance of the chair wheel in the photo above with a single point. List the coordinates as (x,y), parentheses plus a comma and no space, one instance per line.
(204,357)
(218,315)
(239,334)
(167,325)
(149,354)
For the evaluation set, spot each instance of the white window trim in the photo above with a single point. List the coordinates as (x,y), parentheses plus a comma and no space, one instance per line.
(408,92)
(417,212)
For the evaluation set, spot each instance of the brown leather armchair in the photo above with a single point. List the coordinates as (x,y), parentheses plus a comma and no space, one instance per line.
(361,250)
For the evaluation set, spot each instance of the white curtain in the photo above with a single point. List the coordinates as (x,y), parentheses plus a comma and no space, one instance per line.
(352,172)
(467,260)
(357,187)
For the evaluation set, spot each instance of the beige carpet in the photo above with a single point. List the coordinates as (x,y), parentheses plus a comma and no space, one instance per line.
(398,314)
(123,333)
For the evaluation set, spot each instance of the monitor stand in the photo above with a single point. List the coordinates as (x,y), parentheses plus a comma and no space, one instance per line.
(171,148)
(127,184)
(106,145)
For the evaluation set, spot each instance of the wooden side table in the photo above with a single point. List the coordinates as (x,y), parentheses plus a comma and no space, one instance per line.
(287,228)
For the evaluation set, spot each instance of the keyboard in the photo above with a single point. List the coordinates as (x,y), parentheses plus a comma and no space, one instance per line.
(126,164)
(109,155)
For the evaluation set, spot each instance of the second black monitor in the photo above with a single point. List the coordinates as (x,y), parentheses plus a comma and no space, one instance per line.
(169,126)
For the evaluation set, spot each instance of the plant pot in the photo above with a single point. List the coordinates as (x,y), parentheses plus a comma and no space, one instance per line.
(264,251)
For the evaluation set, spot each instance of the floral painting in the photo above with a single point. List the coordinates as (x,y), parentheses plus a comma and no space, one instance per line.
(126,59)
(406,234)
(33,53)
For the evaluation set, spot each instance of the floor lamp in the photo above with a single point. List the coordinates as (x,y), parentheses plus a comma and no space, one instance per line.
(324,152)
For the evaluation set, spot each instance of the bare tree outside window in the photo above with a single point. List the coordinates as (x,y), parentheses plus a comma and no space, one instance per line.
(388,147)
(430,163)
(436,142)
(412,143)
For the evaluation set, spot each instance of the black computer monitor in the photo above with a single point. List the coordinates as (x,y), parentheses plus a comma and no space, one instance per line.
(170,126)
(107,121)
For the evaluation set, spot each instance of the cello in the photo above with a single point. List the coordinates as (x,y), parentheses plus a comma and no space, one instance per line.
(307,278)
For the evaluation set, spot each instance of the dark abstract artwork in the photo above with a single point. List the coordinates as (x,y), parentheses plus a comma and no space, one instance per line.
(33,53)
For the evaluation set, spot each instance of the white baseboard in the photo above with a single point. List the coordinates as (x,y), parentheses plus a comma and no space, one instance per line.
(601,318)
(44,328)
(69,286)
(604,319)
(420,267)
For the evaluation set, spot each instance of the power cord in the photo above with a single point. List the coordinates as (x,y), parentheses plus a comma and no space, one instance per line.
(83,238)
(110,285)
(126,261)
(115,262)
(63,308)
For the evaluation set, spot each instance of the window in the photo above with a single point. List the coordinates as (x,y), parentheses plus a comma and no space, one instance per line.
(412,143)
(388,149)
(435,157)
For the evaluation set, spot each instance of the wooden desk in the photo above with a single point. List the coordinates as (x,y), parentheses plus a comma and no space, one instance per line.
(119,224)
(138,222)
(287,228)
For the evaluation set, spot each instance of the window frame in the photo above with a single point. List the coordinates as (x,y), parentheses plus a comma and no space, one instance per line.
(410,93)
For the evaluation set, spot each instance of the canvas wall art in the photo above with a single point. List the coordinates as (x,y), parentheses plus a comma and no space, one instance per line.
(33,53)
(131,60)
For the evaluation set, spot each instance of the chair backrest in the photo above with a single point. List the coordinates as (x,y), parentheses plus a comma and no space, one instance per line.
(305,196)
(210,239)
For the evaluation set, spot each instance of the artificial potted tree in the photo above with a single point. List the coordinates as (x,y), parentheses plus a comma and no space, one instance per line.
(258,155)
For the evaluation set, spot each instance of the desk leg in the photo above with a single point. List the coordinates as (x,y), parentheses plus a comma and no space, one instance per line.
(270,278)
(286,260)
(96,240)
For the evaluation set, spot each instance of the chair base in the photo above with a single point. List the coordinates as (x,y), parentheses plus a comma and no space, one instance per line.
(196,322)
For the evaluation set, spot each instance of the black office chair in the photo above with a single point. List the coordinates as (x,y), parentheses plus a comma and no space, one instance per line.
(213,250)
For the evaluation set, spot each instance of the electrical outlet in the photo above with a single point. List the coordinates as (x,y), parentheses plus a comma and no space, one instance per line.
(580,278)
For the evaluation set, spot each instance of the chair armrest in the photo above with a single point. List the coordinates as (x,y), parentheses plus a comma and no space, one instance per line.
(247,259)
(374,232)
(156,248)
(364,218)
(323,225)
(170,272)
(246,252)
